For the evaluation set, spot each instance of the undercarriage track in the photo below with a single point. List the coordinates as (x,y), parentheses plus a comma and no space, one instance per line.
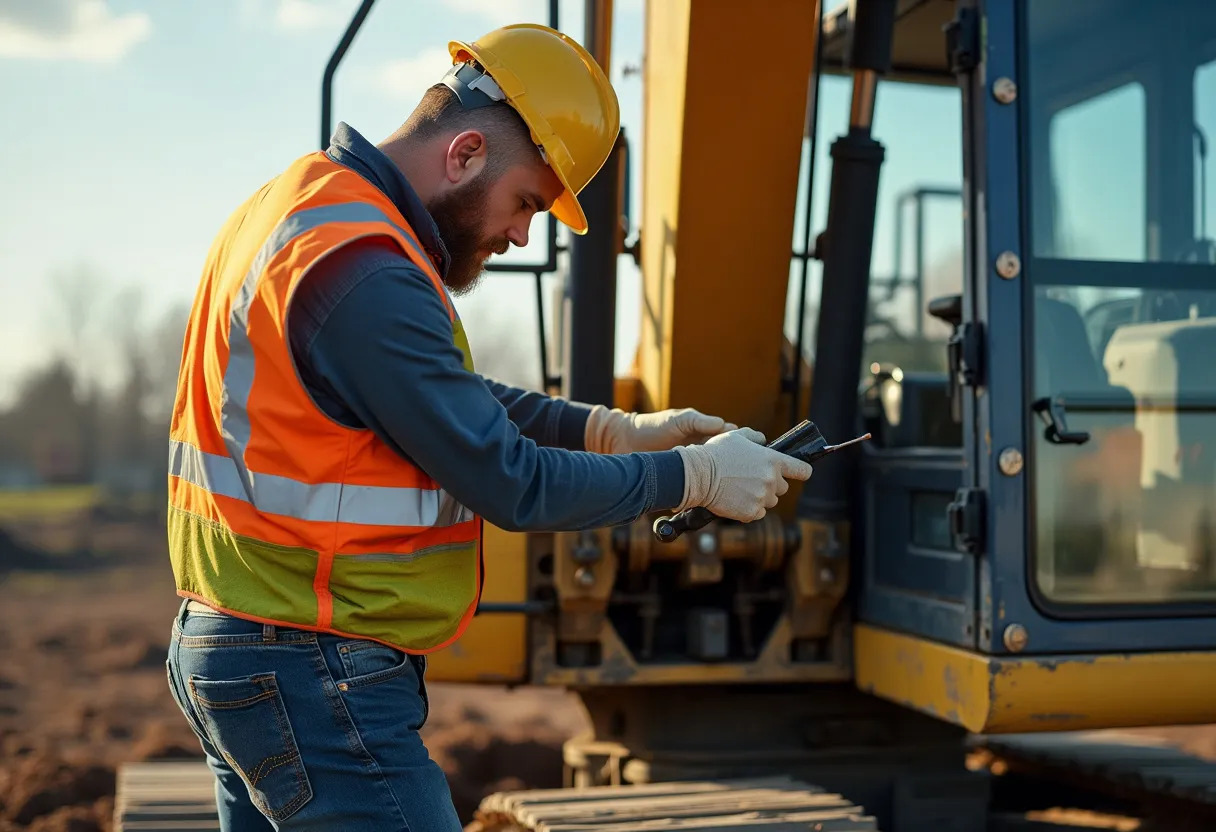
(1143,777)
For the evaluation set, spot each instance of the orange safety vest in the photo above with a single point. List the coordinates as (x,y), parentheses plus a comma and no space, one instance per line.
(277,513)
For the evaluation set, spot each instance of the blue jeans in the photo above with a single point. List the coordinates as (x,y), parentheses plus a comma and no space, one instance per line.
(307,731)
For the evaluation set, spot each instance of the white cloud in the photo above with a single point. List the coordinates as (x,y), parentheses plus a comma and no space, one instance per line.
(78,30)
(407,79)
(295,16)
(494,13)
(299,15)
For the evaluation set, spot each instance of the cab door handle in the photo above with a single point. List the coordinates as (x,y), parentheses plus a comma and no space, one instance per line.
(1051,411)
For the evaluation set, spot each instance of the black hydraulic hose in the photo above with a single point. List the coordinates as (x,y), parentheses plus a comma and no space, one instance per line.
(852,201)
(796,373)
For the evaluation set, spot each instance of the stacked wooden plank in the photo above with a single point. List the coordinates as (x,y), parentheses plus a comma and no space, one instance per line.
(165,796)
(179,797)
(775,804)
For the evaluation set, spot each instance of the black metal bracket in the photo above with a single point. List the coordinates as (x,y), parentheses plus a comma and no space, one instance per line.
(963,41)
(1051,412)
(967,516)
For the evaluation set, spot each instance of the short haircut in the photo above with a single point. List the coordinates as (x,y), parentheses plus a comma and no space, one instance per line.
(508,140)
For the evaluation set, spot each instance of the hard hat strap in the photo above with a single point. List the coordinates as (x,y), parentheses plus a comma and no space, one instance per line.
(473,87)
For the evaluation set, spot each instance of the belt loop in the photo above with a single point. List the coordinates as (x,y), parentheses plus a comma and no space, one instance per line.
(182,612)
(269,632)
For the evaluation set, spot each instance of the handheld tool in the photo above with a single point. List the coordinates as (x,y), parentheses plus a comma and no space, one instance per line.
(803,442)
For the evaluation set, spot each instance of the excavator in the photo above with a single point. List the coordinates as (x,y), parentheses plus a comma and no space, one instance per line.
(939,630)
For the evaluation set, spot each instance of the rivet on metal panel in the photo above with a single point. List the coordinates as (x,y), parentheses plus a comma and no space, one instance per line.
(584,576)
(1004,90)
(1011,462)
(1016,638)
(1008,265)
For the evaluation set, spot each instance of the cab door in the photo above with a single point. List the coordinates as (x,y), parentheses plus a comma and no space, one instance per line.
(1095,284)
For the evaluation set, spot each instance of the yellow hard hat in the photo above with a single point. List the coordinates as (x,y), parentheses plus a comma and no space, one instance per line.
(558,89)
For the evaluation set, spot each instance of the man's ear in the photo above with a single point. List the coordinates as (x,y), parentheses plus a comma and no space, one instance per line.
(466,156)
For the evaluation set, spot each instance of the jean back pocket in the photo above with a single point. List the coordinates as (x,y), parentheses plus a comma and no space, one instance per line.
(247,723)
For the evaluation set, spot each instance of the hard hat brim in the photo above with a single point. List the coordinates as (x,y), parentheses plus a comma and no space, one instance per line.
(566,208)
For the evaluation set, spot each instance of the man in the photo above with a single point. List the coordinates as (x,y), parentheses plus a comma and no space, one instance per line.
(333,451)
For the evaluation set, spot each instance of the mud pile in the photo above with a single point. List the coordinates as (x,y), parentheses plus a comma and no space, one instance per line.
(490,740)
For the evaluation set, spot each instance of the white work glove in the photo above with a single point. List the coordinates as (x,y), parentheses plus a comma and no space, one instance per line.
(617,432)
(734,475)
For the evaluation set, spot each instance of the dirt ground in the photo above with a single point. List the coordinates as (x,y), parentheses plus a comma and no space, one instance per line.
(82,688)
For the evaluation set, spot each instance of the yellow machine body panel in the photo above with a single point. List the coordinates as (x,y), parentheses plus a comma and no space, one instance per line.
(724,122)
(494,648)
(992,695)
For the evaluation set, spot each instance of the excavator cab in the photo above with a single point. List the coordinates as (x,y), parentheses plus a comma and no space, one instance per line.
(1069,561)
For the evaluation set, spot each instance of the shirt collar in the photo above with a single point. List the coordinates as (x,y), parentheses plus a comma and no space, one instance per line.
(347,147)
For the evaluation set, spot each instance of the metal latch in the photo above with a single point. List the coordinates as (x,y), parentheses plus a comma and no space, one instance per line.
(963,41)
(967,520)
(963,351)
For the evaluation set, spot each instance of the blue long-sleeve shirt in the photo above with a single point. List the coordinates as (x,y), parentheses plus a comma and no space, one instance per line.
(374,347)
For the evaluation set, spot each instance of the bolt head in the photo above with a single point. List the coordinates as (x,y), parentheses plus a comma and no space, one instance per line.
(584,576)
(1004,90)
(1008,265)
(1011,462)
(1016,638)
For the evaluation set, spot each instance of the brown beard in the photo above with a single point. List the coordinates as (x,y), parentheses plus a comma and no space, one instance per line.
(460,217)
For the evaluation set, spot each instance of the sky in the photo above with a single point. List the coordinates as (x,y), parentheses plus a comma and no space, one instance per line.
(135,127)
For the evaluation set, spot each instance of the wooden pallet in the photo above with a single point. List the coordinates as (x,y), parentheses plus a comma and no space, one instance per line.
(168,796)
(776,804)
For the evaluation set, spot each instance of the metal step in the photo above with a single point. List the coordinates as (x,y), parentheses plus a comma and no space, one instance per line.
(165,796)
(775,804)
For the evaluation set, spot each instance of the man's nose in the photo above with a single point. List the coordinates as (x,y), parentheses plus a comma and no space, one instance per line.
(518,234)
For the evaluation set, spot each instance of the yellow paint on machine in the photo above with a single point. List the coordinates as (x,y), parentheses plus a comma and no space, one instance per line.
(494,649)
(721,129)
(995,695)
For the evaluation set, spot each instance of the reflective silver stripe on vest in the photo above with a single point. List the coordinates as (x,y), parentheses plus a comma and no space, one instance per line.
(323,502)
(370,505)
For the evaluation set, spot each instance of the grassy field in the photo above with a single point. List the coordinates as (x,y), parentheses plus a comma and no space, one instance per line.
(49,502)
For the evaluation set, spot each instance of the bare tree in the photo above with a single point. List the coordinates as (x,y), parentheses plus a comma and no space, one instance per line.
(77,297)
(163,355)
